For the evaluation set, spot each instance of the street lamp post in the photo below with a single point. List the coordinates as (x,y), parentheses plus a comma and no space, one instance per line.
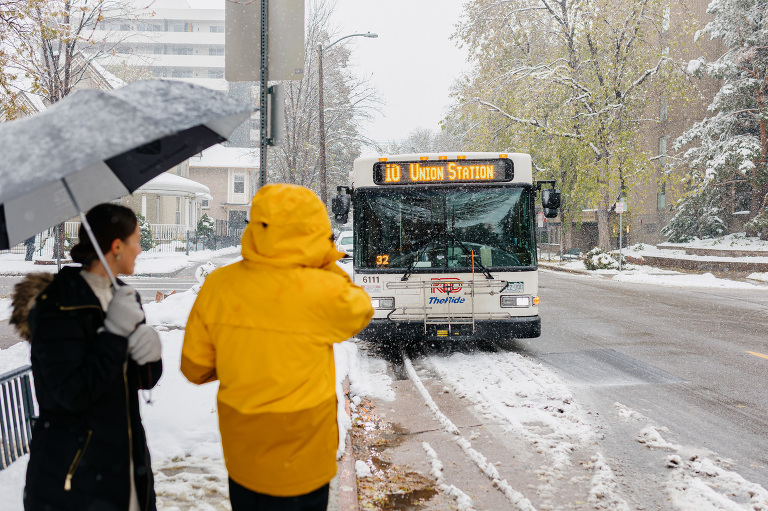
(321,113)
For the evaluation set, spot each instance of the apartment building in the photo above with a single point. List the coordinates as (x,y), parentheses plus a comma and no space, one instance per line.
(176,40)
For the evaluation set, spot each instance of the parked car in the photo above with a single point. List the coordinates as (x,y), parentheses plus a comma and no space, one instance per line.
(344,242)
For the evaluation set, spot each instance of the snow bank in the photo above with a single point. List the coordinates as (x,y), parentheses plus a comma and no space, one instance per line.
(181,419)
(366,378)
(14,357)
(683,280)
(12,484)
(173,311)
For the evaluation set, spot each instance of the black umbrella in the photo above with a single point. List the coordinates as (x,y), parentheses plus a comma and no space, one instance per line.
(95,146)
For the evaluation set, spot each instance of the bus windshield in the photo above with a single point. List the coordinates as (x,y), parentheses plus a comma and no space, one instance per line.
(438,229)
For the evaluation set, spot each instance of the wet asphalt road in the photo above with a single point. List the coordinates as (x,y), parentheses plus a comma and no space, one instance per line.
(691,361)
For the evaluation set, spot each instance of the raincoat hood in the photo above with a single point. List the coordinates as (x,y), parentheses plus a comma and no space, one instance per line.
(289,226)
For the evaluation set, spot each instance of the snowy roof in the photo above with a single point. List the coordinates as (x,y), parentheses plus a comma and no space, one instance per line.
(218,156)
(171,184)
(111,79)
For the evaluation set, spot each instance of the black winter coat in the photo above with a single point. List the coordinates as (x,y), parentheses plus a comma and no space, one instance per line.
(89,408)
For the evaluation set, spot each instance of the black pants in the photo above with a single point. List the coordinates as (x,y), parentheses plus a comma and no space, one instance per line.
(243,499)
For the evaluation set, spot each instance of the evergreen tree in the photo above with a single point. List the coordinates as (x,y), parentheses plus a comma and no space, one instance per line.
(147,241)
(698,215)
(731,145)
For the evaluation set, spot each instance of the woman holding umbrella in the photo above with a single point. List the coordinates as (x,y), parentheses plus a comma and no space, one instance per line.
(91,354)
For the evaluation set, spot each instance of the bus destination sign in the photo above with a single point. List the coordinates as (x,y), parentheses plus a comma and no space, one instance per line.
(442,171)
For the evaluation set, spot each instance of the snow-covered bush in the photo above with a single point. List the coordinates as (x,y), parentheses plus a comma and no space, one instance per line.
(758,226)
(599,259)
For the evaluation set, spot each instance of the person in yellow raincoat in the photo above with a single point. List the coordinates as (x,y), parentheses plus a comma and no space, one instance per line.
(265,328)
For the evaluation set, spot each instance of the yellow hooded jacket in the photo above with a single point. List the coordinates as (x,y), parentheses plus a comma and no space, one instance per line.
(265,328)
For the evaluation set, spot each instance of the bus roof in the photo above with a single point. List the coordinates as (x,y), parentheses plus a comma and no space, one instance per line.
(362,171)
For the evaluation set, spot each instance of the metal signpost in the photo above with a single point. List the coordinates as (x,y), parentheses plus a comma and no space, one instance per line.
(279,50)
(620,207)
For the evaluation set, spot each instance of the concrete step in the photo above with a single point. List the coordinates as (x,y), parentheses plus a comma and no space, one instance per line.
(711,265)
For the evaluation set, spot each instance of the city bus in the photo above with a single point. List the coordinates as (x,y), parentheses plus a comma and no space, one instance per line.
(445,244)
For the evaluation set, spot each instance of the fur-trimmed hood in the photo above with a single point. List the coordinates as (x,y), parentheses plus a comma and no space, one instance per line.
(24,295)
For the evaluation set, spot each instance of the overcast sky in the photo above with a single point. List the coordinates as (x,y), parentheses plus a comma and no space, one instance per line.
(412,63)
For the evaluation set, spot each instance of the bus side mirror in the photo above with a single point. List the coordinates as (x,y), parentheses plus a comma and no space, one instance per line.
(550,202)
(340,207)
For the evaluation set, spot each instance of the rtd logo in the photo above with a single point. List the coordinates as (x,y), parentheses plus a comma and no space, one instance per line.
(449,285)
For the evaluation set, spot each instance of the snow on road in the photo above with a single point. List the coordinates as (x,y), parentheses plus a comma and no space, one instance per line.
(537,406)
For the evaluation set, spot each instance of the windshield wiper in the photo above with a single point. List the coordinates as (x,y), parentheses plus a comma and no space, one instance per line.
(485,271)
(412,264)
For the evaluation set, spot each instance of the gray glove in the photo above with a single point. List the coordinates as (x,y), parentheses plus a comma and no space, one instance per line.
(124,312)
(144,345)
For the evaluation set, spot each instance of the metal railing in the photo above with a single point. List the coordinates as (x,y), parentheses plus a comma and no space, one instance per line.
(165,238)
(422,311)
(17,415)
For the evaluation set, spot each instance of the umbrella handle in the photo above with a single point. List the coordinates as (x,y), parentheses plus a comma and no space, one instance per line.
(92,237)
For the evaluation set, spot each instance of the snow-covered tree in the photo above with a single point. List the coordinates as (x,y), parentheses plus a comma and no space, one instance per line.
(348,103)
(730,146)
(698,215)
(567,81)
(422,140)
(42,43)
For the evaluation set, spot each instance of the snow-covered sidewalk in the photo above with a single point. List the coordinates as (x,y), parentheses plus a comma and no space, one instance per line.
(182,422)
(648,274)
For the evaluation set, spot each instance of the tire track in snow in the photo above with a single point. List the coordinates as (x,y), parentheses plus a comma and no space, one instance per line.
(514,496)
(463,502)
(536,406)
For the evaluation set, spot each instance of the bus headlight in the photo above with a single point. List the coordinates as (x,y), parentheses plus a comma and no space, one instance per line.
(383,303)
(515,301)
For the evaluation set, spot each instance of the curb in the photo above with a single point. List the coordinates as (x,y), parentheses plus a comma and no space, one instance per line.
(347,477)
(565,270)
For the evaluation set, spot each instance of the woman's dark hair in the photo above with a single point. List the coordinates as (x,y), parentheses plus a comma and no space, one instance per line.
(108,223)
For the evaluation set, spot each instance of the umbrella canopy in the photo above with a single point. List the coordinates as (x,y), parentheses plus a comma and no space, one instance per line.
(95,146)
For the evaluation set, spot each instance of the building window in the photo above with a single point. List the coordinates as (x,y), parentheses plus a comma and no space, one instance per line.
(205,204)
(181,73)
(663,151)
(182,50)
(661,197)
(178,210)
(125,27)
(215,73)
(218,29)
(182,27)
(216,51)
(239,184)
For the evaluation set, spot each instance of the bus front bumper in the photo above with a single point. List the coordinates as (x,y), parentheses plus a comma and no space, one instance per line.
(385,330)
